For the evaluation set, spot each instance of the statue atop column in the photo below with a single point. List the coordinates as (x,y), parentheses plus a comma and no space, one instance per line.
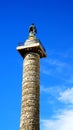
(32,30)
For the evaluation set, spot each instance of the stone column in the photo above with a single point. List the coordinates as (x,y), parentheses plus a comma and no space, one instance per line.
(30,92)
(31,51)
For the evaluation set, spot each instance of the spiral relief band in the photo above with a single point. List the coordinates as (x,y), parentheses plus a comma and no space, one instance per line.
(30,92)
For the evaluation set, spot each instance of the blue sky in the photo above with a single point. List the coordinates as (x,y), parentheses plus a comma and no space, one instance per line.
(54,22)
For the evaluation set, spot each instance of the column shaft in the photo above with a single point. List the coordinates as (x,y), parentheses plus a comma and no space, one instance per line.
(30,92)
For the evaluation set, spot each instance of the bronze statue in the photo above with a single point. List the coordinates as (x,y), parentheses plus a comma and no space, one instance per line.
(32,30)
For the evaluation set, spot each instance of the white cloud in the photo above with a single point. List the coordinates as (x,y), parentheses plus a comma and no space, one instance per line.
(63,118)
(46,89)
(51,90)
(56,68)
(70,80)
(57,63)
(47,72)
(67,96)
(61,93)
(62,121)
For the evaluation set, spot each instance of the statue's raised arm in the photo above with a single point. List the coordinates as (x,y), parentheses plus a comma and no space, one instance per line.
(32,30)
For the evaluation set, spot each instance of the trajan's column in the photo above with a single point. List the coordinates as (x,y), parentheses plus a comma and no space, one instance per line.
(31,51)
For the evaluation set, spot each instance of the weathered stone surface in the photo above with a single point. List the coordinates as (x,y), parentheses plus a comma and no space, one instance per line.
(31,52)
(30,92)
